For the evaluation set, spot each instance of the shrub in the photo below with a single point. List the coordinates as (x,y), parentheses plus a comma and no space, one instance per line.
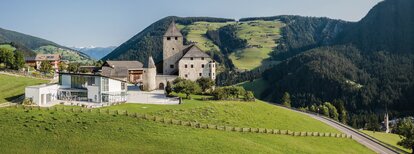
(248,96)
(28,101)
(228,93)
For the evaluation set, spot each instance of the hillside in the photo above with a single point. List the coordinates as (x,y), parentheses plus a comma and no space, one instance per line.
(13,87)
(149,41)
(31,45)
(55,131)
(367,79)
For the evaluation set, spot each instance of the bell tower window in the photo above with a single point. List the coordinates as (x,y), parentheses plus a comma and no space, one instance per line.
(176,38)
(168,38)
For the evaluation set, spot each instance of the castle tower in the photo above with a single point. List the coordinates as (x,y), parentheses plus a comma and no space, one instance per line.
(172,49)
(150,75)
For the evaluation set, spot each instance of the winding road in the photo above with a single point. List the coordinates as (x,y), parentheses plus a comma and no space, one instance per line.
(365,140)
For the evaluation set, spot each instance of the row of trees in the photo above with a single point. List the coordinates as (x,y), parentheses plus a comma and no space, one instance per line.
(232,93)
(11,59)
(188,87)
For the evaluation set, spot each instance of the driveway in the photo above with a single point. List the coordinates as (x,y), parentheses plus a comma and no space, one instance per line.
(135,95)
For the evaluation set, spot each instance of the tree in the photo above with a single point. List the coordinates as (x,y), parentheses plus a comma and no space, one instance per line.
(62,67)
(187,87)
(405,128)
(73,67)
(205,83)
(333,113)
(286,100)
(168,88)
(45,67)
(18,60)
(323,110)
(7,57)
(248,96)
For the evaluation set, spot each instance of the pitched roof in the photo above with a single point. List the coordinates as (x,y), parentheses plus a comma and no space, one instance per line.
(194,51)
(125,64)
(51,57)
(172,30)
(151,63)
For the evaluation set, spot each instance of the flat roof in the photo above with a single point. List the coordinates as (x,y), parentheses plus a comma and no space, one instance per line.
(86,74)
(42,86)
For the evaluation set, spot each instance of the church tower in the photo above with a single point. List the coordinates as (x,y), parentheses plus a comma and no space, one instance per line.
(172,49)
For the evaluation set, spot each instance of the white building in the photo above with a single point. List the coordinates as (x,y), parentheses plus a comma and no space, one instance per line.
(79,87)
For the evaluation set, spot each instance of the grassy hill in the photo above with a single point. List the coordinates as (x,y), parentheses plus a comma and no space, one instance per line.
(33,131)
(389,138)
(67,54)
(261,37)
(232,113)
(12,86)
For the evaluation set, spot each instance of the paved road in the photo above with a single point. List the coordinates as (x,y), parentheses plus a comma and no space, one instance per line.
(356,135)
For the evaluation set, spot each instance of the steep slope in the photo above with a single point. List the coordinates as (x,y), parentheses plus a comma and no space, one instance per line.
(388,26)
(149,41)
(303,33)
(26,43)
(374,73)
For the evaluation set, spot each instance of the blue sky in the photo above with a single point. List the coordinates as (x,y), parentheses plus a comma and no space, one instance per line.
(112,22)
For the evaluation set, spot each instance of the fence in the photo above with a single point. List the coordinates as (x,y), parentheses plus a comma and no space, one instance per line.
(189,123)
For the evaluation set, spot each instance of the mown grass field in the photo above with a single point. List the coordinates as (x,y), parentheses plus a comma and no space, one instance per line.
(232,113)
(197,33)
(391,139)
(34,131)
(13,86)
(261,37)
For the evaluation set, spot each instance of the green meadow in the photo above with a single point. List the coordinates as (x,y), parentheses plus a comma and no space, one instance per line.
(389,138)
(12,87)
(43,131)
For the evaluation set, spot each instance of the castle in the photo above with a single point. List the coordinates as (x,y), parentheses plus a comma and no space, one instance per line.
(179,60)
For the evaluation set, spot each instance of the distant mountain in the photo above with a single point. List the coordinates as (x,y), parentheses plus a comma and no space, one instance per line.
(95,52)
(32,45)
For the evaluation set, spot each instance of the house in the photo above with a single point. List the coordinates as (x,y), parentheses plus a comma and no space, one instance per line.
(53,59)
(92,88)
(130,71)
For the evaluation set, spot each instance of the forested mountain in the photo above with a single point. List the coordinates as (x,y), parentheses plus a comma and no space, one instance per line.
(369,66)
(31,45)
(149,41)
(388,26)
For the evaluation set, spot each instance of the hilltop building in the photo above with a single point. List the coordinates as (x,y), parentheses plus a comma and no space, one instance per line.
(109,83)
(179,60)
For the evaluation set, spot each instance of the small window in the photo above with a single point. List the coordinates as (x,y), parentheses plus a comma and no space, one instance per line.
(185,66)
(213,65)
(176,38)
(200,74)
(171,66)
(192,66)
(202,58)
(209,74)
(213,74)
(168,38)
(191,58)
(186,76)
(173,48)
(202,65)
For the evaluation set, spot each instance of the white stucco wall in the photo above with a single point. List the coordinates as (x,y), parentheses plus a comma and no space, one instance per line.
(36,92)
(92,92)
(114,85)
(194,73)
